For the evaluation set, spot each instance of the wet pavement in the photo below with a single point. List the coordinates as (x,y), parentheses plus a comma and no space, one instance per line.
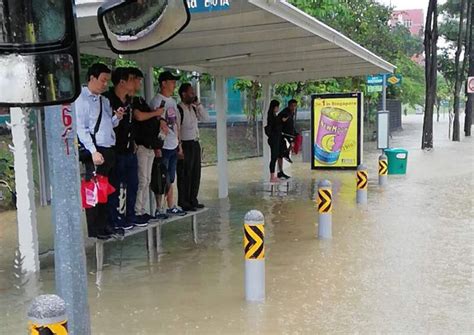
(403,265)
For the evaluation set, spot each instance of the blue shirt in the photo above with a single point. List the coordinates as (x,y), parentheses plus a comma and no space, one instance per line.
(87,113)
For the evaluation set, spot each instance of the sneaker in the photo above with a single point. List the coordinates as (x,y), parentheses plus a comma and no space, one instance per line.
(161,216)
(199,206)
(175,211)
(142,220)
(128,226)
(281,175)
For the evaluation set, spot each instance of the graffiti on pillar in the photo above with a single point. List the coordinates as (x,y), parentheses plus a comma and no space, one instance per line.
(66,117)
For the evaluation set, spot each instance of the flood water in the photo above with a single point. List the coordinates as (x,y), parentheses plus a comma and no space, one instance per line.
(403,265)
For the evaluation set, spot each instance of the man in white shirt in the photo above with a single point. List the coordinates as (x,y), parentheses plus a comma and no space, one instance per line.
(170,128)
(95,129)
(191,112)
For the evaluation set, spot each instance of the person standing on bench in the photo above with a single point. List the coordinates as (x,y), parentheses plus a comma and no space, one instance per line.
(95,130)
(170,127)
(273,131)
(147,127)
(191,112)
(124,176)
(288,132)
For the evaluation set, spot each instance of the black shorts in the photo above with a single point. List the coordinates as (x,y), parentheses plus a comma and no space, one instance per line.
(158,177)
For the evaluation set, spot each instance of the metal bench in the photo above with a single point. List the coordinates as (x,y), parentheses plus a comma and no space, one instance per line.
(153,237)
(274,187)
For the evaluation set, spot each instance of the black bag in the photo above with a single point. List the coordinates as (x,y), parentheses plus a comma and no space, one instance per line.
(85,155)
(268,130)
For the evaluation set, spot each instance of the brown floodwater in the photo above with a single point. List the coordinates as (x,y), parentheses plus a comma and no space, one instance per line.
(402,265)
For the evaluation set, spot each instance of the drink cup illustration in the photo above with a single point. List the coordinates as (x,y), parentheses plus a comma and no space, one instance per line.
(332,130)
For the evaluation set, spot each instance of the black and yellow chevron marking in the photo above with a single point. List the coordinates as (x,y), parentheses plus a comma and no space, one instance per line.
(324,200)
(52,329)
(253,241)
(383,167)
(362,178)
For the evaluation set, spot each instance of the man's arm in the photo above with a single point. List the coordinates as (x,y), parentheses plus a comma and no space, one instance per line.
(82,119)
(143,116)
(201,113)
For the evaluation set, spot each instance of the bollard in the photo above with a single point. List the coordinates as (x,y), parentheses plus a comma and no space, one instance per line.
(362,182)
(383,170)
(254,256)
(325,209)
(47,316)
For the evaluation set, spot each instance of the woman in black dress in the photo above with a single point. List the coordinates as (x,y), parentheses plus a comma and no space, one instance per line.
(273,131)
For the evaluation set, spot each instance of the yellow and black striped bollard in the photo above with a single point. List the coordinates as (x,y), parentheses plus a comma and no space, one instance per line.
(254,248)
(383,170)
(47,316)
(325,209)
(362,184)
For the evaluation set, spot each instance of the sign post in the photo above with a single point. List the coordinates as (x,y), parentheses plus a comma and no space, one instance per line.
(69,253)
(470,85)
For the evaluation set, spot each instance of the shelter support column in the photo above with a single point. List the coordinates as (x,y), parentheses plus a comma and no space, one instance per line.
(221,118)
(25,190)
(267,95)
(149,93)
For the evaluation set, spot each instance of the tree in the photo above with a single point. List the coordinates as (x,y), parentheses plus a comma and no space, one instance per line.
(470,54)
(460,69)
(431,49)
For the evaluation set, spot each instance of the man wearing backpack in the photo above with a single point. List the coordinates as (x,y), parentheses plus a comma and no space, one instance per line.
(189,165)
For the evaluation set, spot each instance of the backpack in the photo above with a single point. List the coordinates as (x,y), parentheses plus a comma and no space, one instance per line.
(181,113)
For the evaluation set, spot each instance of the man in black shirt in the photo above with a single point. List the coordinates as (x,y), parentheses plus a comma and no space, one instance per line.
(288,131)
(124,176)
(147,129)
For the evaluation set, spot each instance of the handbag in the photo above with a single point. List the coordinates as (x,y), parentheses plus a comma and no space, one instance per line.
(85,155)
(95,191)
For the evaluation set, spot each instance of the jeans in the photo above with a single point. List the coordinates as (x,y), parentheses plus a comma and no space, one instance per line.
(170,160)
(124,178)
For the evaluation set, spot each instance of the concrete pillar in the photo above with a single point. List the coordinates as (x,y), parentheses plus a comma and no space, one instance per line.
(149,90)
(25,190)
(267,96)
(148,83)
(221,118)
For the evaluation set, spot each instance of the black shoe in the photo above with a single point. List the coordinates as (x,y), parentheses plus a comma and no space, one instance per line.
(189,208)
(282,175)
(103,237)
(199,206)
(288,159)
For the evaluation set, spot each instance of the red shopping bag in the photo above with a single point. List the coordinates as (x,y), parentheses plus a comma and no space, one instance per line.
(298,143)
(96,190)
(104,188)
(89,193)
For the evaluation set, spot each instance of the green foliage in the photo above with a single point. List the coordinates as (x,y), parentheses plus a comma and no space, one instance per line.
(366,22)
(7,177)
(253,92)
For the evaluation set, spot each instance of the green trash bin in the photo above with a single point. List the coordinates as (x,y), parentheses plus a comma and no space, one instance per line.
(397,160)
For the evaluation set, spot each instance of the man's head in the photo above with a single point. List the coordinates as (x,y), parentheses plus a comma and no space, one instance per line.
(123,79)
(137,79)
(98,77)
(292,104)
(167,83)
(186,93)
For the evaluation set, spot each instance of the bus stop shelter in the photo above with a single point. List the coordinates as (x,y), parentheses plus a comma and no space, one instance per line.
(267,40)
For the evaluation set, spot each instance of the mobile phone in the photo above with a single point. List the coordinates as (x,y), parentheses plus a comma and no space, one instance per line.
(162,104)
